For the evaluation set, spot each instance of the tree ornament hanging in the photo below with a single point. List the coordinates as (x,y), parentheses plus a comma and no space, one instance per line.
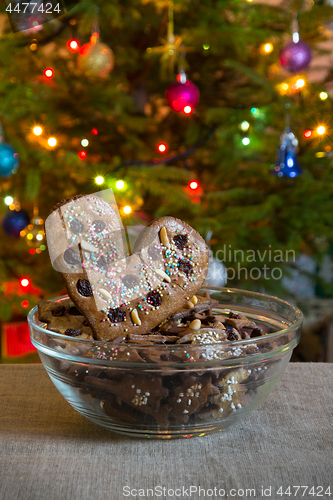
(95,59)
(297,55)
(9,160)
(14,222)
(286,164)
(34,234)
(172,49)
(182,95)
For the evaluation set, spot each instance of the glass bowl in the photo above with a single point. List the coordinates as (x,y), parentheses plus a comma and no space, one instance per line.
(166,391)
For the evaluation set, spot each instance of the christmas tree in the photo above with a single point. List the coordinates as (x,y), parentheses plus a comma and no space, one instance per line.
(84,105)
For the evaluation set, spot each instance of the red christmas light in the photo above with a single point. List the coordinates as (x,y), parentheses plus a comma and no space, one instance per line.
(193,185)
(161,148)
(49,72)
(24,282)
(25,304)
(73,45)
(307,134)
(94,131)
(32,251)
(188,110)
(82,155)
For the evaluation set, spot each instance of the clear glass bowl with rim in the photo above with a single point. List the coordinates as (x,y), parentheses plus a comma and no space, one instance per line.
(167,391)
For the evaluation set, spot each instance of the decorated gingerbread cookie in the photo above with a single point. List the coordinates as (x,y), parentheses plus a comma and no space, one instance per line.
(121,295)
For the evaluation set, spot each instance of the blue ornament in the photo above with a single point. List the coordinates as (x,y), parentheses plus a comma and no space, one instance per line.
(14,222)
(9,161)
(286,164)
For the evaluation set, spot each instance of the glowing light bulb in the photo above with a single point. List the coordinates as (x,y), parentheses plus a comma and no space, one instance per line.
(266,48)
(94,131)
(82,155)
(99,180)
(52,142)
(206,46)
(49,72)
(37,130)
(25,304)
(73,46)
(162,148)
(32,251)
(9,200)
(84,143)
(120,184)
(127,210)
(25,282)
(39,237)
(300,83)
(188,110)
(246,141)
(307,134)
(323,96)
(245,126)
(284,86)
(255,111)
(194,185)
(321,130)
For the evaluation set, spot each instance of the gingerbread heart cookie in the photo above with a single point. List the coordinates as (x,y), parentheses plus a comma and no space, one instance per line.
(121,295)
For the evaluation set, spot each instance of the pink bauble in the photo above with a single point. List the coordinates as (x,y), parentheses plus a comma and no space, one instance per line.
(183,97)
(296,56)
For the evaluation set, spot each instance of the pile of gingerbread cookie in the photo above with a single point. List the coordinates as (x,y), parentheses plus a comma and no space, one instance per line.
(141,309)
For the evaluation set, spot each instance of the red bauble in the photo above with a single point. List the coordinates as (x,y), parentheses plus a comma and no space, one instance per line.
(183,97)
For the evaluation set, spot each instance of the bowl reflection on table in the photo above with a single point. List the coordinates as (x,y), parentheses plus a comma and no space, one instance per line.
(168,390)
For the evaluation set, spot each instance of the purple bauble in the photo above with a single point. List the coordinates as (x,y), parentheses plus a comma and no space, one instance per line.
(183,96)
(296,56)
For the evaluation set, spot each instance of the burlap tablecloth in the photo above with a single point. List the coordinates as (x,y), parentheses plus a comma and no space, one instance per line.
(50,452)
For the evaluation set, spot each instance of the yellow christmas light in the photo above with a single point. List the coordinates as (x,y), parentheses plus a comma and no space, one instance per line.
(37,130)
(321,130)
(52,142)
(323,96)
(127,210)
(300,83)
(120,184)
(245,126)
(99,180)
(267,48)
